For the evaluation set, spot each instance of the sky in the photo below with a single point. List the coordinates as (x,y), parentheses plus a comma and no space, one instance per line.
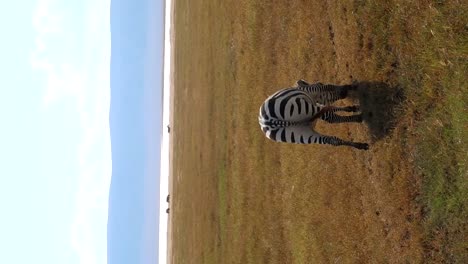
(136,130)
(55,136)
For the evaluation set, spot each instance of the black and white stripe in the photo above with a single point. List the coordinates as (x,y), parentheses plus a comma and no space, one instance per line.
(289,115)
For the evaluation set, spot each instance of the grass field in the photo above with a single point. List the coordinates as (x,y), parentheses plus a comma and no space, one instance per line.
(238,198)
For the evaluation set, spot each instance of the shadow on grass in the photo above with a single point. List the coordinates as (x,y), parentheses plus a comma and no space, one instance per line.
(380,105)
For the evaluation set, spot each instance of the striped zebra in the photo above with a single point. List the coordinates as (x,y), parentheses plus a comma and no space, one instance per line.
(289,115)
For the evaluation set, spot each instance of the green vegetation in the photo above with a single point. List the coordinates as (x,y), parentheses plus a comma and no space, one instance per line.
(438,104)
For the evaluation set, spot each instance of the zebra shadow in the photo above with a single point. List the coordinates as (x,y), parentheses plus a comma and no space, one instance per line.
(380,105)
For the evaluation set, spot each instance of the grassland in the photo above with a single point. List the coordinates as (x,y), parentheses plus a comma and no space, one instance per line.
(238,198)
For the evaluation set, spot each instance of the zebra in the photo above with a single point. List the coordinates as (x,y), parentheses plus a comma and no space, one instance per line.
(168,199)
(290,114)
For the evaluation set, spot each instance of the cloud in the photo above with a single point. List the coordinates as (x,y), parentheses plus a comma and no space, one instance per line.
(72,59)
(49,23)
(46,18)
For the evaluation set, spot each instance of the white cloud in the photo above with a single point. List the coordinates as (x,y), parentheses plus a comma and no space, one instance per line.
(46,18)
(78,74)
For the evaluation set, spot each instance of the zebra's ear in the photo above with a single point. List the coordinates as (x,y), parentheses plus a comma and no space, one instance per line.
(302,83)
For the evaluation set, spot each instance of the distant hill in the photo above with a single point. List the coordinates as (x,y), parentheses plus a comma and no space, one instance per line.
(137,29)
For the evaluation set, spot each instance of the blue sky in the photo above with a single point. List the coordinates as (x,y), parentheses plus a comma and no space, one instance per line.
(136,130)
(56,160)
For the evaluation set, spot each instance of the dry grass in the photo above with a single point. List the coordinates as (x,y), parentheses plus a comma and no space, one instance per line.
(239,198)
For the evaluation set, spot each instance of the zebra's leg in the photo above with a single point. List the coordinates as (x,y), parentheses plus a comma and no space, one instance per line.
(328,87)
(331,109)
(325,94)
(306,135)
(331,117)
(310,136)
(339,142)
(352,108)
(332,93)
